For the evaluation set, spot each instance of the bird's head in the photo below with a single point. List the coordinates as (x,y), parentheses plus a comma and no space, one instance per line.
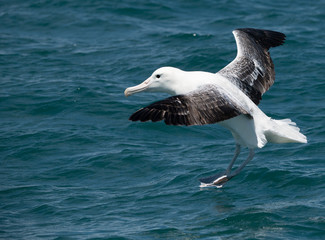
(162,80)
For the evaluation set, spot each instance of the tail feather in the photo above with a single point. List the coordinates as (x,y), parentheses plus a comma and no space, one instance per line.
(284,131)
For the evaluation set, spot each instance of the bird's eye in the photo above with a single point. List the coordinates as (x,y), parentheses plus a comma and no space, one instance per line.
(158,76)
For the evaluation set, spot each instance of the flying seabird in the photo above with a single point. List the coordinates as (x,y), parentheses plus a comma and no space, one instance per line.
(228,97)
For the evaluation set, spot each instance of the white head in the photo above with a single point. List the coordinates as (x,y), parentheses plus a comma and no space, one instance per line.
(162,80)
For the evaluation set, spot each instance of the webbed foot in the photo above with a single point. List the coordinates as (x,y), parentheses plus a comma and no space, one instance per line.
(217,180)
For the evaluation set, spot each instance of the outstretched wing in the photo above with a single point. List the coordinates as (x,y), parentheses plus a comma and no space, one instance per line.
(203,106)
(252,70)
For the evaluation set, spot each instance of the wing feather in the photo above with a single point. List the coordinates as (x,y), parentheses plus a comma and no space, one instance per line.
(196,108)
(252,70)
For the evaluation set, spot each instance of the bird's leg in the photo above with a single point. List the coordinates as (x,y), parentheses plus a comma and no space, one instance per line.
(226,175)
(220,177)
(237,151)
(223,179)
(250,157)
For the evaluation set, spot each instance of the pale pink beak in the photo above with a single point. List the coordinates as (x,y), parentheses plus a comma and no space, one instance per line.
(138,88)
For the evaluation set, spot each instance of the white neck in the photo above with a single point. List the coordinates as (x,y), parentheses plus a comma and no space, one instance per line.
(186,82)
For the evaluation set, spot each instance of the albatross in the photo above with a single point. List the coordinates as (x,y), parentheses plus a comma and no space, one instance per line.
(228,97)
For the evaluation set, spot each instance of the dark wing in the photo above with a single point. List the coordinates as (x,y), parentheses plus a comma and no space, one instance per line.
(203,106)
(252,70)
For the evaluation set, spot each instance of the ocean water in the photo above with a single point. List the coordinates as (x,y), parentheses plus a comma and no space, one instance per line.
(73,167)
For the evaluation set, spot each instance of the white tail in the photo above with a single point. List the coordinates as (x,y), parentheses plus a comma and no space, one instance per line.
(284,131)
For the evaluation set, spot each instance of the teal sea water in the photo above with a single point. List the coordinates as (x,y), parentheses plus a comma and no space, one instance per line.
(73,167)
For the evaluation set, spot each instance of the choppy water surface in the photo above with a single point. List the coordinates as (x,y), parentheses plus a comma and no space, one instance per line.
(73,167)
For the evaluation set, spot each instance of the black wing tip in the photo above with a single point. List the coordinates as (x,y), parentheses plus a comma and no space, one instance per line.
(136,116)
(146,114)
(267,38)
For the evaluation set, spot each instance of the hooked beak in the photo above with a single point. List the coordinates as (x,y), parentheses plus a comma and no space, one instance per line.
(138,88)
